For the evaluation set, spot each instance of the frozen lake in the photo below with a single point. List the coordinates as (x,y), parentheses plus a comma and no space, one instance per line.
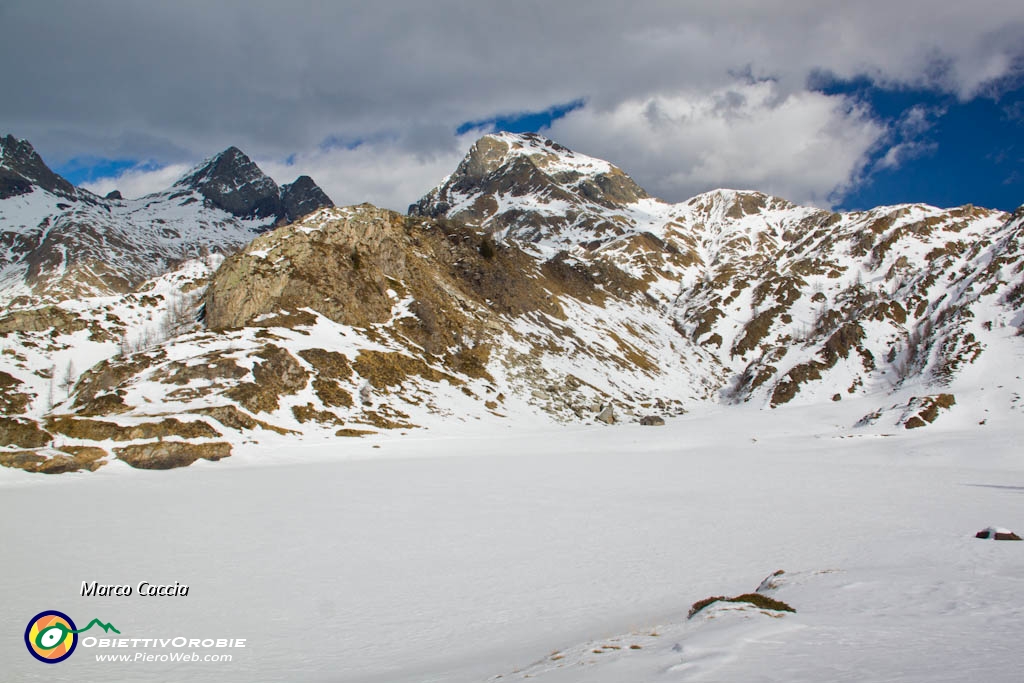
(481,553)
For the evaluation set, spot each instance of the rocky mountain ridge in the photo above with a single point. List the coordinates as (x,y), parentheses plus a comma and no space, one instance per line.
(232,182)
(533,281)
(58,241)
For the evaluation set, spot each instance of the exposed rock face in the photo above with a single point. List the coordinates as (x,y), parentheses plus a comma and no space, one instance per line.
(349,265)
(13,400)
(22,432)
(925,410)
(233,182)
(22,170)
(652,421)
(276,374)
(166,455)
(98,430)
(65,459)
(41,319)
(303,197)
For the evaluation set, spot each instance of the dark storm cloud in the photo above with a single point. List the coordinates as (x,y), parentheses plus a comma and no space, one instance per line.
(174,81)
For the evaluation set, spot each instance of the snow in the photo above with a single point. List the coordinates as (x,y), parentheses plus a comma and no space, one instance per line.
(135,238)
(489,550)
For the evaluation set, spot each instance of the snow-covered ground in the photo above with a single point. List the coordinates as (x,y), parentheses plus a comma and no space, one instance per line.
(493,550)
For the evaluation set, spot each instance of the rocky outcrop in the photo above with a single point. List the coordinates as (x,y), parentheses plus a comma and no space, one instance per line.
(99,430)
(997,534)
(607,414)
(64,459)
(16,431)
(44,319)
(922,411)
(12,400)
(277,373)
(166,455)
(352,265)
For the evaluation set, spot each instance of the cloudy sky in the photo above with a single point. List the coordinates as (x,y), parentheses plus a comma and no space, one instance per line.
(839,104)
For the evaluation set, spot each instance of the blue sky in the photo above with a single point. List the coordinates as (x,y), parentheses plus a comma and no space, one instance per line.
(521,122)
(967,152)
(88,169)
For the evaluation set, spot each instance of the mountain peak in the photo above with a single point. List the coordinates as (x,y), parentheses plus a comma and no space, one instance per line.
(233,182)
(493,150)
(546,175)
(22,169)
(303,197)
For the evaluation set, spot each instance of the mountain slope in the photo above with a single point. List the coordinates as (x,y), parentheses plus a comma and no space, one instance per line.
(534,282)
(796,302)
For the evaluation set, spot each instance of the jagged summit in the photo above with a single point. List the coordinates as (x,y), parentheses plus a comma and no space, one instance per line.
(513,184)
(233,182)
(22,169)
(67,242)
(303,197)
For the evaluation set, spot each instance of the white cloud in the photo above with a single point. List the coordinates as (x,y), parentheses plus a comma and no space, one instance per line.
(805,146)
(139,181)
(900,153)
(385,173)
(129,80)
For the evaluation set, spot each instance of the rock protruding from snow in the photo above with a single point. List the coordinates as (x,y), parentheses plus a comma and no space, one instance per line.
(997,534)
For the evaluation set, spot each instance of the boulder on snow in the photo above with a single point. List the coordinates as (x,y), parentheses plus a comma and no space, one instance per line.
(997,534)
(607,414)
(652,421)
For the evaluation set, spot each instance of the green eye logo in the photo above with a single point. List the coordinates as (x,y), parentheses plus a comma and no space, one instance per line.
(51,636)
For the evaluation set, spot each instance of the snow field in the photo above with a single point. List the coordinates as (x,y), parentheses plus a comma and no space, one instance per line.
(479,552)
